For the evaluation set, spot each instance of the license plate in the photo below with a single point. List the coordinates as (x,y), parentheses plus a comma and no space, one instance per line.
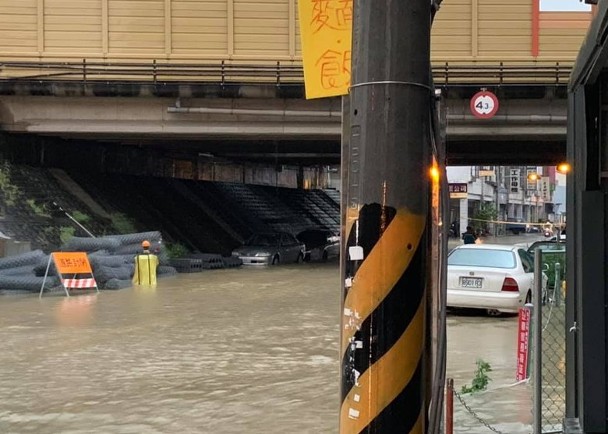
(470,282)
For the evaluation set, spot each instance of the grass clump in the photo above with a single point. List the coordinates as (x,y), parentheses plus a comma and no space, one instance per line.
(10,192)
(81,217)
(122,223)
(39,210)
(481,379)
(176,250)
(66,233)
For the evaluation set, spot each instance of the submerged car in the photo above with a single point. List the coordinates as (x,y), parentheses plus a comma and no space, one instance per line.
(497,278)
(320,244)
(270,249)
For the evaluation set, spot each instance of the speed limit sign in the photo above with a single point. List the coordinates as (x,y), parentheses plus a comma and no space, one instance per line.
(484,104)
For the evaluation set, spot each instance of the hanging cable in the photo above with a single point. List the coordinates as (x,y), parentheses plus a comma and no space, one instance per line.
(74,220)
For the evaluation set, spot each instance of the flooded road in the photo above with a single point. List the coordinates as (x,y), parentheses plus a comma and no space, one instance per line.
(505,405)
(224,351)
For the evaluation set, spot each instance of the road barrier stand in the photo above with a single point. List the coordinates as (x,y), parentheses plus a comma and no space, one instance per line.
(74,264)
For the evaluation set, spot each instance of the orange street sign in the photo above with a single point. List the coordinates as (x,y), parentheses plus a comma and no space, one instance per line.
(72,262)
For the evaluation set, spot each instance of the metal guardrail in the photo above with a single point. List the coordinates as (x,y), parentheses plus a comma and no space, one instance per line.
(548,74)
(279,73)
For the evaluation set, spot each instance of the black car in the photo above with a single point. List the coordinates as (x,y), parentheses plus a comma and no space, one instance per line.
(320,244)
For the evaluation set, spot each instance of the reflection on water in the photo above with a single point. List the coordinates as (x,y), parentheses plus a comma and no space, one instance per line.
(223,351)
(75,311)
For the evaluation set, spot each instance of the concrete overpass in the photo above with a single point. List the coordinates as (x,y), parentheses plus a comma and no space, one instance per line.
(224,77)
(242,119)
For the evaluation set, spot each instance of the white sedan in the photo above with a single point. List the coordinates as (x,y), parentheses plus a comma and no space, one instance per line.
(498,278)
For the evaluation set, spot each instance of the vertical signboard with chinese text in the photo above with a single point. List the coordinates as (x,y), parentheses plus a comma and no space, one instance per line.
(326,31)
(514,180)
(545,189)
(523,337)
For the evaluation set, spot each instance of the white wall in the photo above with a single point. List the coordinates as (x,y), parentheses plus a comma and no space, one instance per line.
(459,173)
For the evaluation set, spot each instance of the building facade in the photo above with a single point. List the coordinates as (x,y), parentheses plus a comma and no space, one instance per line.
(495,199)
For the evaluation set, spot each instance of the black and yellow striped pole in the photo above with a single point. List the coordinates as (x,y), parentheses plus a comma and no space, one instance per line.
(383,363)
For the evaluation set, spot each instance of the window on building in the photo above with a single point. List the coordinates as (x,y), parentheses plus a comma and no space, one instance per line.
(564,6)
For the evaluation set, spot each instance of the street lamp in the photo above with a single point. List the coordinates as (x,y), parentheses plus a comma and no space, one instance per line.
(535,177)
(563,168)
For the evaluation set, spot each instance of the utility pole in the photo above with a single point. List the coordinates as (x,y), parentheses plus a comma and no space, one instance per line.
(383,384)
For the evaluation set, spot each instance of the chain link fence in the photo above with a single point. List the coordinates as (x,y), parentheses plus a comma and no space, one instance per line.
(546,361)
(549,375)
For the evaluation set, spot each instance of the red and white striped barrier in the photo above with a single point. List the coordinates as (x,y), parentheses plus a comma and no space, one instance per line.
(80,283)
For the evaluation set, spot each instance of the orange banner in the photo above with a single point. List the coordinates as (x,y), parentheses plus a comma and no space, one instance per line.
(72,262)
(326,33)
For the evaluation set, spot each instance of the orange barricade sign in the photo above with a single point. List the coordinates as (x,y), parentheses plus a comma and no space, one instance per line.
(74,264)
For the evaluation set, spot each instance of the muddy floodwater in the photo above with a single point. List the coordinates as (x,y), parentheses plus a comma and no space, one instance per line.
(224,351)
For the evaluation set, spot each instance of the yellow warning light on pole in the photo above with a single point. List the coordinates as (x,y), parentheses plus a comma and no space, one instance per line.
(563,168)
(434,172)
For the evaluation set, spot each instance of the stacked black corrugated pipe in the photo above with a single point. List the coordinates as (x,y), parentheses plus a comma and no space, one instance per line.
(111,258)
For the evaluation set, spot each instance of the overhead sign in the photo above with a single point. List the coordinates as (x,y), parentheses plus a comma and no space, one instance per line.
(484,104)
(326,33)
(458,190)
